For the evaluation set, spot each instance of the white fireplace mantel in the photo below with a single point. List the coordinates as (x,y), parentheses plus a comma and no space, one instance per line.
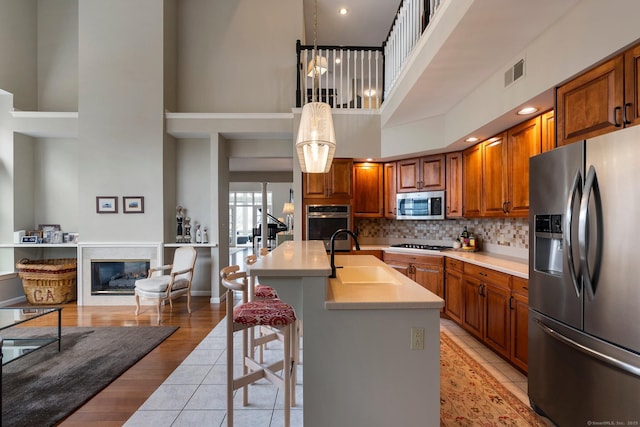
(108,251)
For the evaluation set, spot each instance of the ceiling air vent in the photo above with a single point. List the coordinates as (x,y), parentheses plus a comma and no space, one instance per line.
(514,73)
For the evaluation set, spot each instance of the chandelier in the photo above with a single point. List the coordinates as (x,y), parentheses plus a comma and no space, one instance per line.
(316,140)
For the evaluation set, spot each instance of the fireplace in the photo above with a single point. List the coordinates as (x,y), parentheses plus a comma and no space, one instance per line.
(117,277)
(106,271)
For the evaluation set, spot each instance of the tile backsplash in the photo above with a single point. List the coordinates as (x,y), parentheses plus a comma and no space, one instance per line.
(507,232)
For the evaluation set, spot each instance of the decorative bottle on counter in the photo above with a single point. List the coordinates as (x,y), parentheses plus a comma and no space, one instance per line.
(464,237)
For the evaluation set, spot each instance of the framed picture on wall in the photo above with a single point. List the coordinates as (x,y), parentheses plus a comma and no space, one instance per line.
(132,204)
(107,204)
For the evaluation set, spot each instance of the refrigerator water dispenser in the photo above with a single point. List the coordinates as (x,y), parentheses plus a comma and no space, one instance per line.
(548,244)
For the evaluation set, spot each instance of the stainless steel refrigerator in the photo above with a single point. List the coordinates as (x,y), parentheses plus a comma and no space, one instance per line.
(584,281)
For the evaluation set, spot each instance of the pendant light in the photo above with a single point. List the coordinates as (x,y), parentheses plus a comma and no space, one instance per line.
(316,140)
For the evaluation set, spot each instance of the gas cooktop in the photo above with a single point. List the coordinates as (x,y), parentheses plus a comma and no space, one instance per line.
(420,246)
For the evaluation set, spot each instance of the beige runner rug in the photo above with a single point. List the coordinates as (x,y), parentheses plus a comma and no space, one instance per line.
(470,396)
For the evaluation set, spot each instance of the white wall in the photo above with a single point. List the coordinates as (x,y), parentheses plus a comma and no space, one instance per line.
(590,32)
(18,38)
(246,43)
(57,55)
(122,126)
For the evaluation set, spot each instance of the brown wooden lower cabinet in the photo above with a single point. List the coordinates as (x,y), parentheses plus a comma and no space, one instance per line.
(490,305)
(453,303)
(519,305)
(426,270)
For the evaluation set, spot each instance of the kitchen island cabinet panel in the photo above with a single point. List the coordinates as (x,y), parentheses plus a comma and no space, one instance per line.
(345,366)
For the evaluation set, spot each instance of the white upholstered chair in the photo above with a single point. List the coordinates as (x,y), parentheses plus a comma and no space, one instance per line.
(167,287)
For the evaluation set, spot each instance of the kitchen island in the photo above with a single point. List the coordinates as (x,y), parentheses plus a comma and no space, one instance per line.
(358,366)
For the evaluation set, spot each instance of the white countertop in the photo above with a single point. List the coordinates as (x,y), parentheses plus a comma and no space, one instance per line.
(294,258)
(518,267)
(309,259)
(404,293)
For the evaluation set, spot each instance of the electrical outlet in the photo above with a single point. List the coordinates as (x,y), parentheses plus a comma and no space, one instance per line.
(417,339)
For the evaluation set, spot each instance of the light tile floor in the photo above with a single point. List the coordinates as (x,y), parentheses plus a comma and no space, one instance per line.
(194,394)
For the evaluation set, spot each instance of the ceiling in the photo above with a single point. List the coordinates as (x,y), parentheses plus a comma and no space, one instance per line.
(490,33)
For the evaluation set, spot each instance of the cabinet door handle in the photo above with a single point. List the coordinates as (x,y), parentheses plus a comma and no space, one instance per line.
(481,273)
(615,116)
(480,290)
(625,117)
(511,307)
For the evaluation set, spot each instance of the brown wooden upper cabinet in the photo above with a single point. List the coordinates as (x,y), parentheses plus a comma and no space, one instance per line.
(454,185)
(421,174)
(368,197)
(390,179)
(505,169)
(495,179)
(548,131)
(601,100)
(335,184)
(472,181)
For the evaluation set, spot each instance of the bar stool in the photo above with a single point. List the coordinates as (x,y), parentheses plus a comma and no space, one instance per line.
(243,317)
(259,292)
(298,327)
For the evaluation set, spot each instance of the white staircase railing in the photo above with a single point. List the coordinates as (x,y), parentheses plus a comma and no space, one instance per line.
(355,77)
(412,19)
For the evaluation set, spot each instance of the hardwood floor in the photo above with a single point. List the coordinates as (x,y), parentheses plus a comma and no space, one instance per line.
(117,402)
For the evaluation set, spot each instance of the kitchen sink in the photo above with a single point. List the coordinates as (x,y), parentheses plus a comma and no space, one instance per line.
(365,275)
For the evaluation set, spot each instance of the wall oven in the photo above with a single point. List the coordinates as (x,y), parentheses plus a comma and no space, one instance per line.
(324,220)
(420,205)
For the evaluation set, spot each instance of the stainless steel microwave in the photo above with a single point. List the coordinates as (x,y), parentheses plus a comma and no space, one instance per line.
(420,205)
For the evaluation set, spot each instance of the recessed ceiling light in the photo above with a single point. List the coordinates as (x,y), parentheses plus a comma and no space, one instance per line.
(370,92)
(472,139)
(527,110)
(338,60)
(343,11)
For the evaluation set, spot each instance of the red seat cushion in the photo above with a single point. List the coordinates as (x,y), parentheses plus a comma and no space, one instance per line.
(265,292)
(268,312)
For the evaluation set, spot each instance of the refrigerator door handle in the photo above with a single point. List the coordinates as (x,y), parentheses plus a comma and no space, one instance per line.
(590,278)
(576,188)
(633,370)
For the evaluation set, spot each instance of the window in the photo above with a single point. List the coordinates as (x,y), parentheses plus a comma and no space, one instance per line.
(245,214)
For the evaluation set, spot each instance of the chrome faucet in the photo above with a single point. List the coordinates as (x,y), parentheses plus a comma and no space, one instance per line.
(333,250)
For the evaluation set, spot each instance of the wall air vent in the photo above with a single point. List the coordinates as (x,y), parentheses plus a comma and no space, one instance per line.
(514,73)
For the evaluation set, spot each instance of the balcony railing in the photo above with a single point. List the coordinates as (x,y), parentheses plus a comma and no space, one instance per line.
(359,77)
(343,77)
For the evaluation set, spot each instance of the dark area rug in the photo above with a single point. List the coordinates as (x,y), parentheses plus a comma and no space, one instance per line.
(45,386)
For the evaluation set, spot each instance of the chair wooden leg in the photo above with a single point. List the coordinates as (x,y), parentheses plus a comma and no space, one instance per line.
(189,302)
(137,303)
(159,304)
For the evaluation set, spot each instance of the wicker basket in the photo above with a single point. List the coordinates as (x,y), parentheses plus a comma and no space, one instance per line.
(48,281)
